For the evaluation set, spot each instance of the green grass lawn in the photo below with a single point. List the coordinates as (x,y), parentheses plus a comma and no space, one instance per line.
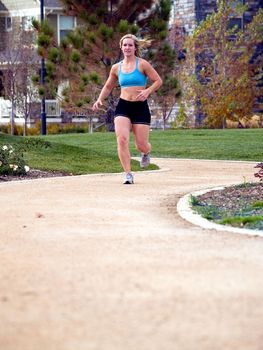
(93,153)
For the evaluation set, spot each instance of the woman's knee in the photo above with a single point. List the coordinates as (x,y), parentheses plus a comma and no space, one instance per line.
(142,146)
(138,145)
(122,140)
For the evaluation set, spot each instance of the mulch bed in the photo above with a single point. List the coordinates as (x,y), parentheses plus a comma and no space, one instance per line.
(233,197)
(33,174)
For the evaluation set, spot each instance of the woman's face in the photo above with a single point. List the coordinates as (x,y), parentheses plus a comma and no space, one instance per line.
(128,47)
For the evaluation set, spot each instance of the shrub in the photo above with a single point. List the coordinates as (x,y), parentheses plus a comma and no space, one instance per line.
(12,161)
(53,129)
(6,129)
(72,128)
(181,119)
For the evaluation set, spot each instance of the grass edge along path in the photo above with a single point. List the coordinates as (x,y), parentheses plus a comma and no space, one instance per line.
(97,152)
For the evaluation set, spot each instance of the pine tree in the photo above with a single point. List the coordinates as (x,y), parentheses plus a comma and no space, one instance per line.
(84,58)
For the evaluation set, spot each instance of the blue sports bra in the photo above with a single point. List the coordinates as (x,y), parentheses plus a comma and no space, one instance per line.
(134,78)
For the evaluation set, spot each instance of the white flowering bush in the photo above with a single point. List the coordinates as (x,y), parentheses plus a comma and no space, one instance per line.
(12,161)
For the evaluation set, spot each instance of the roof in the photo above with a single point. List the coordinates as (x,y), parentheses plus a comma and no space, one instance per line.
(2,7)
(20,5)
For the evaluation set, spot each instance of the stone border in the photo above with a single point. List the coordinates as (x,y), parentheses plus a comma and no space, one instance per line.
(185,211)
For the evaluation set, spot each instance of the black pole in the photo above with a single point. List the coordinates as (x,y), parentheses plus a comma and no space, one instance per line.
(42,80)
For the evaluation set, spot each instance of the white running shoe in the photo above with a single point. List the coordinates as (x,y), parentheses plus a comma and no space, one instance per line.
(145,160)
(128,179)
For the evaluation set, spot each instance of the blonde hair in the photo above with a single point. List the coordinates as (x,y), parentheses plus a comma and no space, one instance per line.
(140,44)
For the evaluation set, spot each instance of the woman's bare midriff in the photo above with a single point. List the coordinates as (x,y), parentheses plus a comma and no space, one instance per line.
(130,93)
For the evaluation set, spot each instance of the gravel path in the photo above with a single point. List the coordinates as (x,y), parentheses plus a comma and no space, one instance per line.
(90,264)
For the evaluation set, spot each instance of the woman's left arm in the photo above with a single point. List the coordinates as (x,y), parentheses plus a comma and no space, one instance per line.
(151,73)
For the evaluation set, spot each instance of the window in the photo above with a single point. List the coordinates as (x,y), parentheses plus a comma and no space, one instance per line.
(236,20)
(5,23)
(66,25)
(8,24)
(236,3)
(27,23)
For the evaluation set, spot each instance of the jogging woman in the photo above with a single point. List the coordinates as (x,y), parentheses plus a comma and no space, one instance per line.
(132,111)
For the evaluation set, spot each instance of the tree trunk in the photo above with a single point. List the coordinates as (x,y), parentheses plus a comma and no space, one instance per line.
(90,125)
(12,118)
(164,119)
(260,122)
(224,123)
(25,126)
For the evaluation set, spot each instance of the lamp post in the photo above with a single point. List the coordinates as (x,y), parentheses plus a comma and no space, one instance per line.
(42,80)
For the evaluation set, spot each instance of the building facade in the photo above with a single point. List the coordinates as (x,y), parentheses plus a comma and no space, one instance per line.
(191,12)
(16,20)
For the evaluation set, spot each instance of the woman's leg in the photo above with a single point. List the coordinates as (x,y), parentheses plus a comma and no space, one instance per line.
(141,134)
(122,131)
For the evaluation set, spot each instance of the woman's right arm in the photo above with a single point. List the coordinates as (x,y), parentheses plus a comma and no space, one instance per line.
(107,88)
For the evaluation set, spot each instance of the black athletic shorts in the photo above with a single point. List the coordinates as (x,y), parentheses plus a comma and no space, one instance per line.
(137,111)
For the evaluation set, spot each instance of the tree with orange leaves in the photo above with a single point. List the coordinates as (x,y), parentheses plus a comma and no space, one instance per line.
(220,74)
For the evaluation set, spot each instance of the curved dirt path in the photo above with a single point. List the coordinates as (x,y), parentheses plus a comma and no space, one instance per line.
(87,263)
